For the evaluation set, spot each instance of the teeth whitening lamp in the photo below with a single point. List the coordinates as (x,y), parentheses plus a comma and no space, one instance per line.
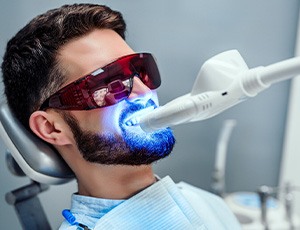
(223,81)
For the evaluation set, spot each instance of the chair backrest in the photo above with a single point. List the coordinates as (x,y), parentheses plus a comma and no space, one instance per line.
(39,160)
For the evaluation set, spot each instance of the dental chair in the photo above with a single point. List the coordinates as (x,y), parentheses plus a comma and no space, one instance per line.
(27,155)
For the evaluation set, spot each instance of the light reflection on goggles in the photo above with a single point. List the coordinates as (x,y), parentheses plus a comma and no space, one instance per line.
(107,85)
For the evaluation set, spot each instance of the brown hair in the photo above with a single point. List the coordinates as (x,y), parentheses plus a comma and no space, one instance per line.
(30,69)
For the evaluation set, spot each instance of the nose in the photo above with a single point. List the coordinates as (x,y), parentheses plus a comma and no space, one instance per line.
(139,92)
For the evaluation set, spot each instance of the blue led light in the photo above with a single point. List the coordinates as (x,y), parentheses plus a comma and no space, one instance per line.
(159,143)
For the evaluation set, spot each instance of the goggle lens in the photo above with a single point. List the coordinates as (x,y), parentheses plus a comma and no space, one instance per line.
(107,85)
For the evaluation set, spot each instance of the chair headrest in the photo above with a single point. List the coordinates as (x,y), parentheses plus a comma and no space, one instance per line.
(39,160)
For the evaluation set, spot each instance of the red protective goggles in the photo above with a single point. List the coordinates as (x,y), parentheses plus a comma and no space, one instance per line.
(107,85)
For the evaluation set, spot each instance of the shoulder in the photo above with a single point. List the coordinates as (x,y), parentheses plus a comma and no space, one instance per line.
(209,206)
(195,192)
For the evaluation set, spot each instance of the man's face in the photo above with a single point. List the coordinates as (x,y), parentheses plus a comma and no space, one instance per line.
(101,134)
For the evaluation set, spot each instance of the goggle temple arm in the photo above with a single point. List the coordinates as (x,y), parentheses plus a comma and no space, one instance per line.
(50,102)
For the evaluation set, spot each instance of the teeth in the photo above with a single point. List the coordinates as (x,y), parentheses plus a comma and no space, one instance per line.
(132,122)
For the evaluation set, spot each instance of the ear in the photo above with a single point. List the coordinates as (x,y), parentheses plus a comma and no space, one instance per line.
(49,127)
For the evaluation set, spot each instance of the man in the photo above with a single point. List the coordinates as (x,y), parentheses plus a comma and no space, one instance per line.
(71,79)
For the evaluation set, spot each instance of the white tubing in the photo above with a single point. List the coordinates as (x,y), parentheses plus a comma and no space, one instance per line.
(281,71)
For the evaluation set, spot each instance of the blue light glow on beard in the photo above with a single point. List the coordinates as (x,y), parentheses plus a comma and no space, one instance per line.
(132,147)
(157,144)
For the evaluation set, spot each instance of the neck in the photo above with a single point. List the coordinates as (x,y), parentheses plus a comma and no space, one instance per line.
(114,181)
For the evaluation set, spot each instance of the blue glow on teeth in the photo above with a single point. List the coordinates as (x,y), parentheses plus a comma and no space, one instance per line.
(132,122)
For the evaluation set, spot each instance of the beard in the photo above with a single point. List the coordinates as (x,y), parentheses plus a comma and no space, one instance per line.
(128,148)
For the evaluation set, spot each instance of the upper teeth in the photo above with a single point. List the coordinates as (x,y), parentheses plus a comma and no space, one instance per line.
(132,122)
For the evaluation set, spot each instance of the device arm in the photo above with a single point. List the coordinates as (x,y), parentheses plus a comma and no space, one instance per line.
(228,81)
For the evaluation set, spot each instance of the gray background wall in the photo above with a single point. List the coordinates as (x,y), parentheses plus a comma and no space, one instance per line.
(182,35)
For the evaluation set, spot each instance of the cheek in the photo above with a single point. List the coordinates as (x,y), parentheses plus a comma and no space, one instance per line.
(105,120)
(98,120)
(109,119)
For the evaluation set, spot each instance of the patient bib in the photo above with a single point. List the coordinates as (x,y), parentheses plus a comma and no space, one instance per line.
(160,206)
